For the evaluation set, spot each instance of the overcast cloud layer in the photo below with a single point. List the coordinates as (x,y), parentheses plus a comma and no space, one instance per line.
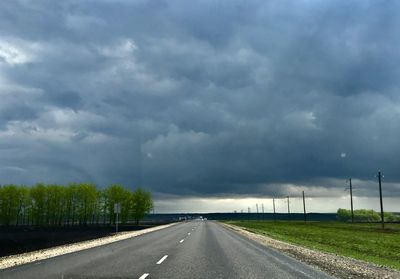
(201,98)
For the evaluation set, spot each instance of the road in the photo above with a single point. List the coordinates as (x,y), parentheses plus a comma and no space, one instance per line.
(196,249)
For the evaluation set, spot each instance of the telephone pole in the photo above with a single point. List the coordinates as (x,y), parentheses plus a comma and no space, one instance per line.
(380,198)
(257,207)
(273,203)
(304,207)
(351,200)
(288,207)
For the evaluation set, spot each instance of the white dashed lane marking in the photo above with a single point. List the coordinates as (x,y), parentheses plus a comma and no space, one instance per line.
(162,259)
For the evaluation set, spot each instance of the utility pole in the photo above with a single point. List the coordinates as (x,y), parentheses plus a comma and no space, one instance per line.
(304,207)
(262,210)
(380,198)
(351,200)
(257,207)
(273,203)
(288,207)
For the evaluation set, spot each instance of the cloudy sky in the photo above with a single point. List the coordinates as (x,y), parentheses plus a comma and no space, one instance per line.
(211,105)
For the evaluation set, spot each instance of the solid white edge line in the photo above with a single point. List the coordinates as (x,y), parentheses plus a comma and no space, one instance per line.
(144,276)
(162,259)
(182,240)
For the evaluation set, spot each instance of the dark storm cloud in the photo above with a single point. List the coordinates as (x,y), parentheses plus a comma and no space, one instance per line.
(202,98)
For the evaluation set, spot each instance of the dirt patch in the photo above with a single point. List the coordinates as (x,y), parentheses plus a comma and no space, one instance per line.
(338,266)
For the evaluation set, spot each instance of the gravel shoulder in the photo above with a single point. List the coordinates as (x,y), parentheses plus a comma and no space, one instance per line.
(14,260)
(338,266)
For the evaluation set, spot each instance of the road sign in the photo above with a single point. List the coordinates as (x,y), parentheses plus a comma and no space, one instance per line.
(117,208)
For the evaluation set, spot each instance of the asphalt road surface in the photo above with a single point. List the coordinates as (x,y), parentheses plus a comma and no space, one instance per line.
(196,249)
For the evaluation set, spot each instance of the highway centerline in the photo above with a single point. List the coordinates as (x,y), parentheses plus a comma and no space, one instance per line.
(162,259)
(144,276)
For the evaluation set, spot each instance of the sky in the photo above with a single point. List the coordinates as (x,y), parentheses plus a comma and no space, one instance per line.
(210,105)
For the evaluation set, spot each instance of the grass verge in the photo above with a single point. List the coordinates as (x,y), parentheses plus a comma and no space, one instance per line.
(360,241)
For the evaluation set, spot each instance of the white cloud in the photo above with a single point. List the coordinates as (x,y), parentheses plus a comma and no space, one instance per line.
(14,54)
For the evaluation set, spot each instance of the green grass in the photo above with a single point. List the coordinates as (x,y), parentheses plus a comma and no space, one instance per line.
(360,241)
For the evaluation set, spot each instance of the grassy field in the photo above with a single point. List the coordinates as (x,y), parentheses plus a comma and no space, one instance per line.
(361,241)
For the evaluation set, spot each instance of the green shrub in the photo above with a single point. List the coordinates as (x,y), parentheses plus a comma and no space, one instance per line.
(365,215)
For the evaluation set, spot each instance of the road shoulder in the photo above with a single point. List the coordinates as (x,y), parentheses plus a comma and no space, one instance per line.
(338,266)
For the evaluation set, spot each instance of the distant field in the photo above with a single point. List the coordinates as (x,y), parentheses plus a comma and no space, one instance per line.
(360,241)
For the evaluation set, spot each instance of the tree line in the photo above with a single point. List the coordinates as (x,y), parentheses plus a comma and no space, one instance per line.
(365,215)
(75,204)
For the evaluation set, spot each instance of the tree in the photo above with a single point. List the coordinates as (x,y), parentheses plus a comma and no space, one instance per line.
(362,215)
(10,200)
(142,204)
(59,205)
(39,204)
(86,201)
(24,205)
(116,194)
(343,214)
(55,204)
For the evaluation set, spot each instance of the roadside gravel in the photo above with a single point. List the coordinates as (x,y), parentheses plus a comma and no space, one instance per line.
(338,266)
(14,260)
